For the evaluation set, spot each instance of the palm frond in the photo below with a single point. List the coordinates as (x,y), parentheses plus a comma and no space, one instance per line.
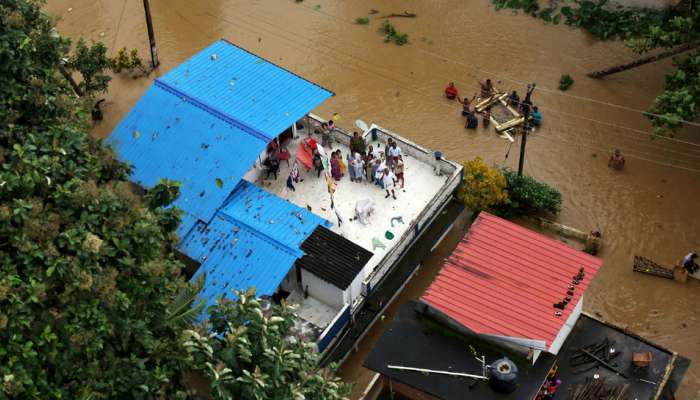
(185,308)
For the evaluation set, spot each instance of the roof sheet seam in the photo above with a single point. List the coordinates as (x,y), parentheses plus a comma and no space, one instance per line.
(291,251)
(213,111)
(279,66)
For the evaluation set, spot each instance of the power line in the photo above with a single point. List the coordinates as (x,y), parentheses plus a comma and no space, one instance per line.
(365,70)
(593,120)
(404,86)
(544,89)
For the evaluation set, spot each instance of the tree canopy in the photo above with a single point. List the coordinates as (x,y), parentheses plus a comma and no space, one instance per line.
(92,301)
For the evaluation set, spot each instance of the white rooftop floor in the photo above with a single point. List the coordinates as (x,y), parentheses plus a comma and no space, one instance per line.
(422,184)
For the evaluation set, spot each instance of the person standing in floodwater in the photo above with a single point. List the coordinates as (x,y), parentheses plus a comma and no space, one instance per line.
(617,161)
(466,105)
(451,91)
(486,89)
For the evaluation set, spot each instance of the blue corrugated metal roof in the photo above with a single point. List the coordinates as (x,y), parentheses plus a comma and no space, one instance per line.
(236,257)
(271,215)
(205,122)
(253,240)
(165,136)
(246,87)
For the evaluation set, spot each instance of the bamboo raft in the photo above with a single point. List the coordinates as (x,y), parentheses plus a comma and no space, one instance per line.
(503,116)
(647,266)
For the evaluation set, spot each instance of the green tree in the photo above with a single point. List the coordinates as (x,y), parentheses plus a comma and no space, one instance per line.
(482,187)
(92,63)
(86,271)
(253,353)
(526,195)
(92,303)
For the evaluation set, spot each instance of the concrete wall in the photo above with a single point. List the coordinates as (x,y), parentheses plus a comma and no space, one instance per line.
(353,292)
(322,290)
(567,328)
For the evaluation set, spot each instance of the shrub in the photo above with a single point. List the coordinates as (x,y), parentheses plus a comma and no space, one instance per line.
(527,195)
(392,35)
(362,21)
(565,82)
(482,188)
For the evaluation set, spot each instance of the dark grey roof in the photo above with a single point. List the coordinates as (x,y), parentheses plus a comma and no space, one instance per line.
(415,340)
(333,258)
(447,350)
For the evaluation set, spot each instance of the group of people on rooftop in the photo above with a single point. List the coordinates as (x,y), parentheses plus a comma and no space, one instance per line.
(384,168)
(551,384)
(487,90)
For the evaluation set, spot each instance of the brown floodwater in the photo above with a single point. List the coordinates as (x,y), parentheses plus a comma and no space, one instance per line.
(651,208)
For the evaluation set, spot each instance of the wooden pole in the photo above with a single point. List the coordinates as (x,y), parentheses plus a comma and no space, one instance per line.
(526,126)
(151,35)
(642,61)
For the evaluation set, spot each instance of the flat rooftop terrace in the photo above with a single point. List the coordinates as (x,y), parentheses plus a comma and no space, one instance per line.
(422,184)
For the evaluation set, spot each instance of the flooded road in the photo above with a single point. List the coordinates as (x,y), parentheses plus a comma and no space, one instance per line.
(651,208)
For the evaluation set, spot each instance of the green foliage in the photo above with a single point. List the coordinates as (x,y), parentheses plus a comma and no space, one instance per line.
(596,17)
(186,307)
(681,97)
(528,196)
(482,187)
(128,61)
(86,271)
(392,35)
(565,82)
(254,354)
(362,21)
(91,62)
(92,303)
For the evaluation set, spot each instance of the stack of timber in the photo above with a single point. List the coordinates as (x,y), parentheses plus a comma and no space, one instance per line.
(598,389)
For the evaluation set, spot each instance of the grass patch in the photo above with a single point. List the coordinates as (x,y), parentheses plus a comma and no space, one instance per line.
(392,35)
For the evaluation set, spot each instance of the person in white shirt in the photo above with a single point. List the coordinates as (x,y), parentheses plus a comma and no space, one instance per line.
(389,181)
(379,173)
(689,263)
(393,153)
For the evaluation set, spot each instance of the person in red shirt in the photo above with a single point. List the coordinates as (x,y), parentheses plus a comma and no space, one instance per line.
(451,91)
(311,143)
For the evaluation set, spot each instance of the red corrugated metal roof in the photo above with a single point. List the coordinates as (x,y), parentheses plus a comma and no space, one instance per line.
(503,279)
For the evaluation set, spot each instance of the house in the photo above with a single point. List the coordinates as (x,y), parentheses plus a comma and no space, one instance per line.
(213,124)
(506,291)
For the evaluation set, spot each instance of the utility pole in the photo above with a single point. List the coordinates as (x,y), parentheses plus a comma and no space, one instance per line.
(151,35)
(526,104)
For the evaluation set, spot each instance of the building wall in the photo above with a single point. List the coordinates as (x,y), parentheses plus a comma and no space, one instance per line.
(353,292)
(566,329)
(322,290)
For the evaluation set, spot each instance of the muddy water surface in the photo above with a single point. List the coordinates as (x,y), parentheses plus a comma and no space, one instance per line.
(651,208)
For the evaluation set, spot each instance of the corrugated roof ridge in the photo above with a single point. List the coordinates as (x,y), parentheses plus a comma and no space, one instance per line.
(294,252)
(498,282)
(446,284)
(551,288)
(538,236)
(544,292)
(276,65)
(494,325)
(213,111)
(499,278)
